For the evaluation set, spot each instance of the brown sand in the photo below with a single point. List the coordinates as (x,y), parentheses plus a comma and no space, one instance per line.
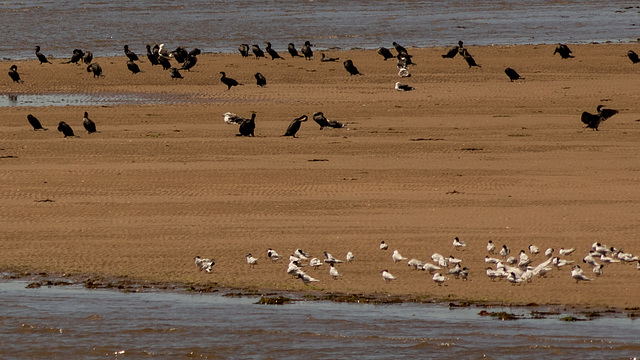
(467,154)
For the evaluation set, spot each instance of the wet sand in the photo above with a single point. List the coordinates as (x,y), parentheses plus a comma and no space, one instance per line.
(467,154)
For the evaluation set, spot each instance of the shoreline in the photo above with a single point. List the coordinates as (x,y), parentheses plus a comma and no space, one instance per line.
(565,312)
(282,49)
(468,154)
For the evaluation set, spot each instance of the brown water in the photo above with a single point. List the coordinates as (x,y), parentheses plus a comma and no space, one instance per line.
(73,322)
(103,27)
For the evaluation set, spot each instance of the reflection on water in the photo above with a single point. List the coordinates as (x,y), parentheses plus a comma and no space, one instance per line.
(73,322)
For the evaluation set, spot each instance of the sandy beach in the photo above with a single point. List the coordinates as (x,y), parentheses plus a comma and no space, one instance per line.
(467,153)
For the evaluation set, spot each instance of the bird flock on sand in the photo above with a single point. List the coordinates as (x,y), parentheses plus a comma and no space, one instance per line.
(187,60)
(297,261)
(526,266)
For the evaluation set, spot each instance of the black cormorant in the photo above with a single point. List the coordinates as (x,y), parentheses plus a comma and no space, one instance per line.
(291,48)
(469,59)
(248,126)
(260,79)
(453,51)
(41,57)
(152,55)
(348,64)
(244,50)
(180,54)
(399,48)
(164,61)
(295,126)
(13,73)
(323,122)
(274,54)
(306,50)
(255,49)
(228,81)
(130,54)
(512,74)
(88,57)
(564,51)
(35,122)
(75,57)
(592,121)
(386,54)
(65,129)
(88,124)
(189,63)
(96,69)
(328,59)
(133,67)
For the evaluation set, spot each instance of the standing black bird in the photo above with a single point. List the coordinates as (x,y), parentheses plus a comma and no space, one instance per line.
(175,73)
(75,57)
(399,48)
(469,59)
(88,124)
(306,50)
(328,59)
(130,54)
(189,63)
(35,122)
(255,49)
(386,54)
(96,69)
(244,50)
(592,121)
(564,51)
(633,57)
(348,64)
(260,79)
(453,51)
(512,74)
(248,126)
(274,54)
(291,48)
(88,57)
(152,55)
(323,122)
(13,73)
(64,128)
(133,67)
(41,57)
(180,54)
(164,61)
(295,126)
(228,81)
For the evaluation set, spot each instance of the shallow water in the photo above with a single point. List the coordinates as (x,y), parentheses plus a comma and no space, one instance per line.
(221,25)
(95,99)
(73,322)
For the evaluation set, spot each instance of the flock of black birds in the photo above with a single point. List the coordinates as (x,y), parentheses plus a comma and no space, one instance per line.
(248,126)
(63,127)
(157,55)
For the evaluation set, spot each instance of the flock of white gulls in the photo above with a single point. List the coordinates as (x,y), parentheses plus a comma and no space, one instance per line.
(502,264)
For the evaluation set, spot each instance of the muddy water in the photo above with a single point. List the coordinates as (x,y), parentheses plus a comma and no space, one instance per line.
(94,99)
(73,322)
(103,27)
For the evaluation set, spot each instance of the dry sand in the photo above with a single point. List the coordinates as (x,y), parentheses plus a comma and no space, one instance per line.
(467,154)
